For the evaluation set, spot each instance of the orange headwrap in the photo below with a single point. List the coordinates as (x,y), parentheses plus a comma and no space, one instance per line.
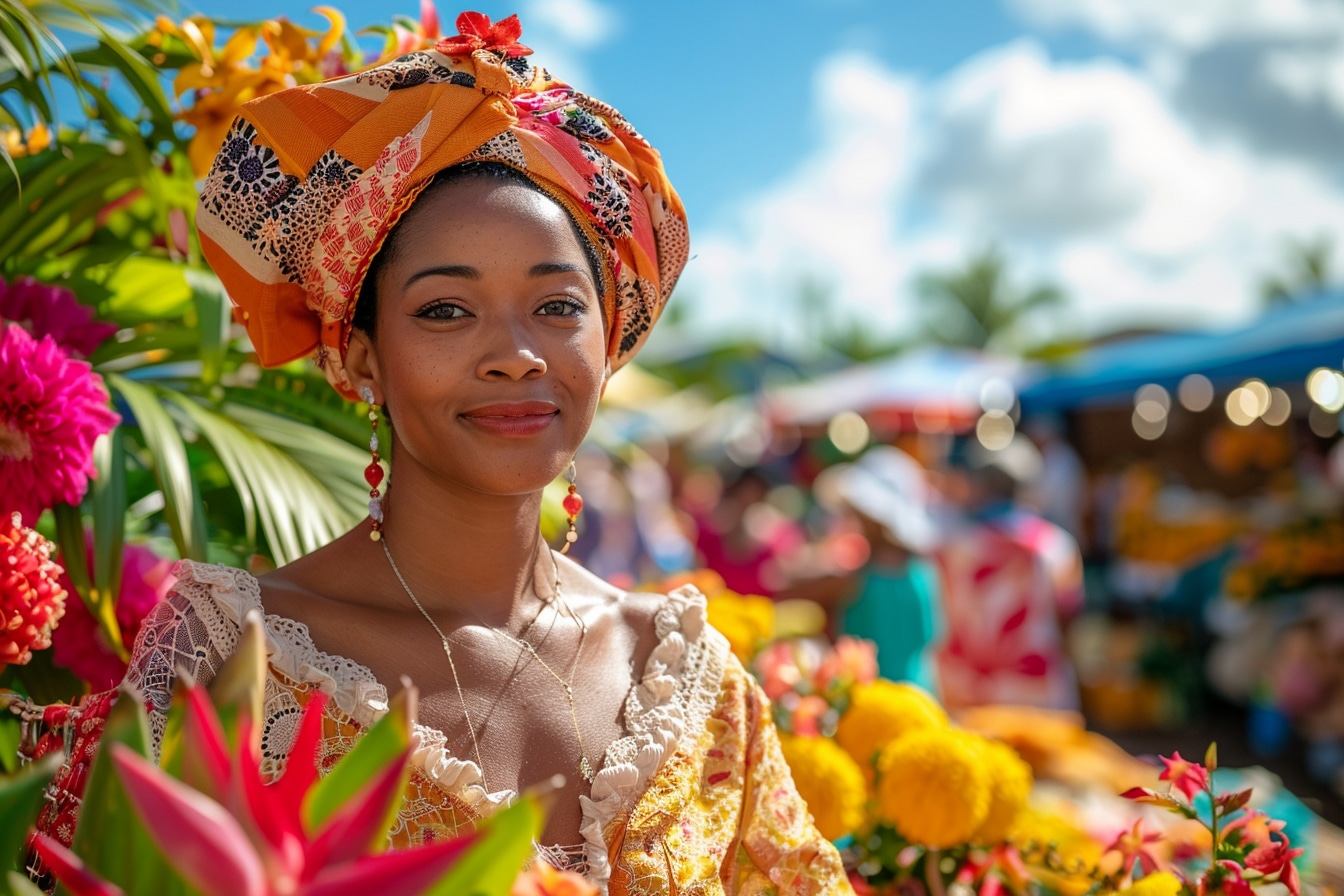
(311,180)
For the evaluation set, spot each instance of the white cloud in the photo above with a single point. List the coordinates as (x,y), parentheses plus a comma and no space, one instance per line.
(581,23)
(564,32)
(1087,175)
(1188,23)
(832,220)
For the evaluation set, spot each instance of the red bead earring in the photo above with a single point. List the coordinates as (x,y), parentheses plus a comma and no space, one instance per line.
(373,473)
(572,504)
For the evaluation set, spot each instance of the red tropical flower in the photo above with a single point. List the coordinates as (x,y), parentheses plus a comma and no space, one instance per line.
(476,32)
(1188,777)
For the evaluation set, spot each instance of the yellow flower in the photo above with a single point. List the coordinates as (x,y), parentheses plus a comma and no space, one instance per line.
(746,621)
(882,711)
(1075,853)
(934,787)
(1009,786)
(1159,883)
(18,144)
(829,782)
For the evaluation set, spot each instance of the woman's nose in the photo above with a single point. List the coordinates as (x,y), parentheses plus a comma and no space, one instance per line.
(509,355)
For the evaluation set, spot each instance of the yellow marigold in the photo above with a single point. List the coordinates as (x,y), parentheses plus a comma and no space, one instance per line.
(746,621)
(1009,786)
(882,711)
(1076,854)
(829,781)
(934,787)
(1159,883)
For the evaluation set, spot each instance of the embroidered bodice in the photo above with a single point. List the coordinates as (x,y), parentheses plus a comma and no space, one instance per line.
(694,798)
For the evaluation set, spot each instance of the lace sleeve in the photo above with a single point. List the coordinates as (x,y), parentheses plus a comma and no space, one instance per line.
(172,638)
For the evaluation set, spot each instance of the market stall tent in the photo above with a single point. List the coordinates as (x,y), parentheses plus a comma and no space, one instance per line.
(1283,345)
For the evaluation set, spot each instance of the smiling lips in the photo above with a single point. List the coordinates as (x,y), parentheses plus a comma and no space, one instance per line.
(522,418)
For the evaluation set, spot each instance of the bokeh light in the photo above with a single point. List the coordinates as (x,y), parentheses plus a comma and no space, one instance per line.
(1280,407)
(848,432)
(1195,392)
(1326,388)
(995,430)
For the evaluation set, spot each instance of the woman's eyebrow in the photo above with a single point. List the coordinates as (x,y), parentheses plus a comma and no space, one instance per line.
(556,267)
(467,272)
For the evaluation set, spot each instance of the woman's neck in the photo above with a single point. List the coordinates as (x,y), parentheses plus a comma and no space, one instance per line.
(461,551)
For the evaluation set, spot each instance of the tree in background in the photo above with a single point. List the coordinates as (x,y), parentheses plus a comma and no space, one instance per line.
(977,306)
(1307,269)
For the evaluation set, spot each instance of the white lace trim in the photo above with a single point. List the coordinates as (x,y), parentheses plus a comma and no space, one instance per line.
(675,695)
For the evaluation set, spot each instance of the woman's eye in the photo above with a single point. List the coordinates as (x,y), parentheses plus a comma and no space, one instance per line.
(442,311)
(561,308)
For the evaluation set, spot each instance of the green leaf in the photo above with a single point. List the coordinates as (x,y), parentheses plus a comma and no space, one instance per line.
(20,885)
(74,551)
(171,469)
(491,867)
(384,743)
(20,799)
(108,493)
(215,314)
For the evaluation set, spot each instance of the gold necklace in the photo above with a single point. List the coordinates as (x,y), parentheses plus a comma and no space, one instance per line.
(585,767)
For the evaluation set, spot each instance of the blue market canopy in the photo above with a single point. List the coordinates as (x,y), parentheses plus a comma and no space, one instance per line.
(1281,346)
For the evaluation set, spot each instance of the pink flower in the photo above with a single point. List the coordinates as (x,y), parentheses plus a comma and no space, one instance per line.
(145,579)
(1133,844)
(778,669)
(1276,859)
(807,715)
(1188,777)
(52,311)
(52,408)
(1225,878)
(851,661)
(1256,828)
(31,597)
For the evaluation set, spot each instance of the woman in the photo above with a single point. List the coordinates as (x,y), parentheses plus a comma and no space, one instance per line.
(473,247)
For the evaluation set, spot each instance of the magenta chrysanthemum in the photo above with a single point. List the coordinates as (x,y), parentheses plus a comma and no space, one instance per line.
(52,408)
(31,596)
(52,311)
(76,645)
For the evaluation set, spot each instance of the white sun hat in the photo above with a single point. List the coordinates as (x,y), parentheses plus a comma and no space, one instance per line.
(889,486)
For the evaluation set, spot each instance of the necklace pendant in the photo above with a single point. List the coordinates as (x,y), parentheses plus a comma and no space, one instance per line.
(585,769)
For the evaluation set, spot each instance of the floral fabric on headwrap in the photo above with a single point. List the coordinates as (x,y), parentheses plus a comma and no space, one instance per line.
(310,181)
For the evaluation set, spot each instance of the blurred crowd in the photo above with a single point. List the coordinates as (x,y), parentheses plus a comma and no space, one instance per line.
(962,564)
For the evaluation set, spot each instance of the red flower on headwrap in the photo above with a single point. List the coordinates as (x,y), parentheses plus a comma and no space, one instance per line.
(476,32)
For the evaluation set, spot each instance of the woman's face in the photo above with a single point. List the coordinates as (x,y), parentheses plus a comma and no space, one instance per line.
(490,352)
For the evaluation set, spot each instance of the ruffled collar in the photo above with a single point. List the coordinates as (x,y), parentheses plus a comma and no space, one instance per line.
(674,696)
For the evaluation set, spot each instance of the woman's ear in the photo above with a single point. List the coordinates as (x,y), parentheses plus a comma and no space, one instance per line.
(606,378)
(361,364)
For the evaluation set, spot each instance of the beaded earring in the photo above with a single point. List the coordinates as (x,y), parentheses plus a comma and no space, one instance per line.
(572,504)
(373,473)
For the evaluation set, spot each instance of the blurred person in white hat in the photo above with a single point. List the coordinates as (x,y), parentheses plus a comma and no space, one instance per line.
(894,599)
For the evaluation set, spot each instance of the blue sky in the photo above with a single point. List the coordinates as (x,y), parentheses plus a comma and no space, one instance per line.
(1150,162)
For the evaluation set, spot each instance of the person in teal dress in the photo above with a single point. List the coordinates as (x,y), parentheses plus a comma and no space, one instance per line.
(896,597)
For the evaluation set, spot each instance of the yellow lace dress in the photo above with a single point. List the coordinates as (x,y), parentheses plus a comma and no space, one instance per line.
(695,799)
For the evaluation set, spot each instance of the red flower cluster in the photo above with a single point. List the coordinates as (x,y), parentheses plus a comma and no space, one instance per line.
(31,596)
(476,32)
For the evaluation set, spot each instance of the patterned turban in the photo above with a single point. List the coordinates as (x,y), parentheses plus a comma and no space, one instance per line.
(310,181)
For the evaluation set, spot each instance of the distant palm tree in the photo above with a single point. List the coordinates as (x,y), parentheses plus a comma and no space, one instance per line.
(1308,269)
(976,307)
